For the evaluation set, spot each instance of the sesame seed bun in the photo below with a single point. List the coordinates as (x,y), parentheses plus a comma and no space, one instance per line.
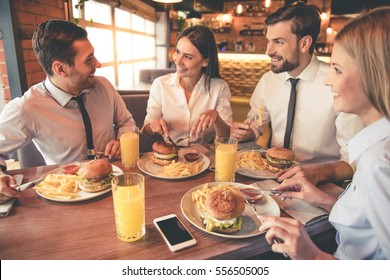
(281,153)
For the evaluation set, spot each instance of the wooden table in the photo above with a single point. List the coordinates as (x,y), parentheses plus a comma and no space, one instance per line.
(38,228)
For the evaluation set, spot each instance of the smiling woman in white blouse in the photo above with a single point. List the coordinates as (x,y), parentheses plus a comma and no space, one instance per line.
(194,101)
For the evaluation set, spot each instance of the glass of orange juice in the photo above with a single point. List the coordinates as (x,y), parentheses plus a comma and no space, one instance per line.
(129,142)
(128,193)
(225,159)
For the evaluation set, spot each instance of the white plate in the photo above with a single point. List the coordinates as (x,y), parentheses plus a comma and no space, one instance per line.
(250,223)
(146,165)
(82,194)
(252,173)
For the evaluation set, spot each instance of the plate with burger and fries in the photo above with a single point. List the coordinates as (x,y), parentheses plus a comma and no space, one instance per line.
(264,164)
(78,181)
(166,162)
(219,208)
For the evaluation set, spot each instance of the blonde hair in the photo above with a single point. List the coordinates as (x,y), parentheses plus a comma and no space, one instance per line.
(367,40)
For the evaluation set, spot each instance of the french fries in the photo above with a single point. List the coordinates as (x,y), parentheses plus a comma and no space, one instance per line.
(253,160)
(199,196)
(59,186)
(180,169)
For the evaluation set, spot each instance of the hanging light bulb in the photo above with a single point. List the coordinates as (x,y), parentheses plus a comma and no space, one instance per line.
(239,9)
(267,3)
(324,14)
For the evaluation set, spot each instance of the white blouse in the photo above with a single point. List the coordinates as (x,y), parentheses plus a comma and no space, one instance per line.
(167,100)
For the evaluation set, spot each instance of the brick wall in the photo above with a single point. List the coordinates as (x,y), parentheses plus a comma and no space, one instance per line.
(29,14)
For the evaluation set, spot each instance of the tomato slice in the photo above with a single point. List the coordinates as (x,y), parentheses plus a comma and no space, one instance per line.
(71,169)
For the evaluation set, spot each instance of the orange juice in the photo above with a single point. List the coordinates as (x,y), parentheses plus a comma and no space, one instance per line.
(129,208)
(225,160)
(129,141)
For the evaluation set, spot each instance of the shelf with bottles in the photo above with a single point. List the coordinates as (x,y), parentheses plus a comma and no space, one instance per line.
(252,32)
(249,9)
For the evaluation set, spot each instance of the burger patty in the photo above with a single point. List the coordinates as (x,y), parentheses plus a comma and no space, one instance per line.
(279,163)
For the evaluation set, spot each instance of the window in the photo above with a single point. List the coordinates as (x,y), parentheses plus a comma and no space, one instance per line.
(123,42)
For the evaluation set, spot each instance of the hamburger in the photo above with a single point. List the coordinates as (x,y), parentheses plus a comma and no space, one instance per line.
(222,211)
(280,158)
(164,153)
(95,175)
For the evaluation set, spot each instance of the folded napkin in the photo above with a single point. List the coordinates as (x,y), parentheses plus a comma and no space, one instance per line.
(6,207)
(298,209)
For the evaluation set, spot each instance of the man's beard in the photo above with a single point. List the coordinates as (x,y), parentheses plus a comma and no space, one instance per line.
(83,83)
(286,66)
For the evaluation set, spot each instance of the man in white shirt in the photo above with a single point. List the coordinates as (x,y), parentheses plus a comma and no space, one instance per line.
(47,113)
(319,134)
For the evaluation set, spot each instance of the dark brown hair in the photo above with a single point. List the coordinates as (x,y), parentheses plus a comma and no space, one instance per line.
(203,39)
(53,40)
(306,20)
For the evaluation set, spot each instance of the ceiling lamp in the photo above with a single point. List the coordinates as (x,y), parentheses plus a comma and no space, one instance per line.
(168,1)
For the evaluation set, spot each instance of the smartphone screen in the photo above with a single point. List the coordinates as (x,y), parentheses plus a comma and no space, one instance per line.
(174,232)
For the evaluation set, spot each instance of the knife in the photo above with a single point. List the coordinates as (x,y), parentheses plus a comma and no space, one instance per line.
(173,143)
(30,184)
(256,192)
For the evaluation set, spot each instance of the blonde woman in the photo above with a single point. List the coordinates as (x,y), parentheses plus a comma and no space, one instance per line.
(360,82)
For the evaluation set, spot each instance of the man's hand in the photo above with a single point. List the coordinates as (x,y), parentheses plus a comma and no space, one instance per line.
(334,172)
(112,149)
(7,187)
(242,131)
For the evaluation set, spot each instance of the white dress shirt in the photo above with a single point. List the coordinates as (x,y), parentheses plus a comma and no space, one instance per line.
(319,133)
(361,214)
(49,118)
(167,100)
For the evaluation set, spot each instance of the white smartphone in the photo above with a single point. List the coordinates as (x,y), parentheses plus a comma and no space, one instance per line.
(174,232)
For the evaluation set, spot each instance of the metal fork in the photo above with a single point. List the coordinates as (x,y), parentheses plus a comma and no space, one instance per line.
(182,139)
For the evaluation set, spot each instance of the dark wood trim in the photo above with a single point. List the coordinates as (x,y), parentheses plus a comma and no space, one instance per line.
(12,48)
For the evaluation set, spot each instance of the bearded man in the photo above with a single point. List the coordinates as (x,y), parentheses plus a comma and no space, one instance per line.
(318,133)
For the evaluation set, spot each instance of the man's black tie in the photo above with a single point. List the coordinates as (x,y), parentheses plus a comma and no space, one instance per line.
(88,127)
(291,112)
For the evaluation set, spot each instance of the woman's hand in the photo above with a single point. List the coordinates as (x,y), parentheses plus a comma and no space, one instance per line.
(296,243)
(205,120)
(302,188)
(159,126)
